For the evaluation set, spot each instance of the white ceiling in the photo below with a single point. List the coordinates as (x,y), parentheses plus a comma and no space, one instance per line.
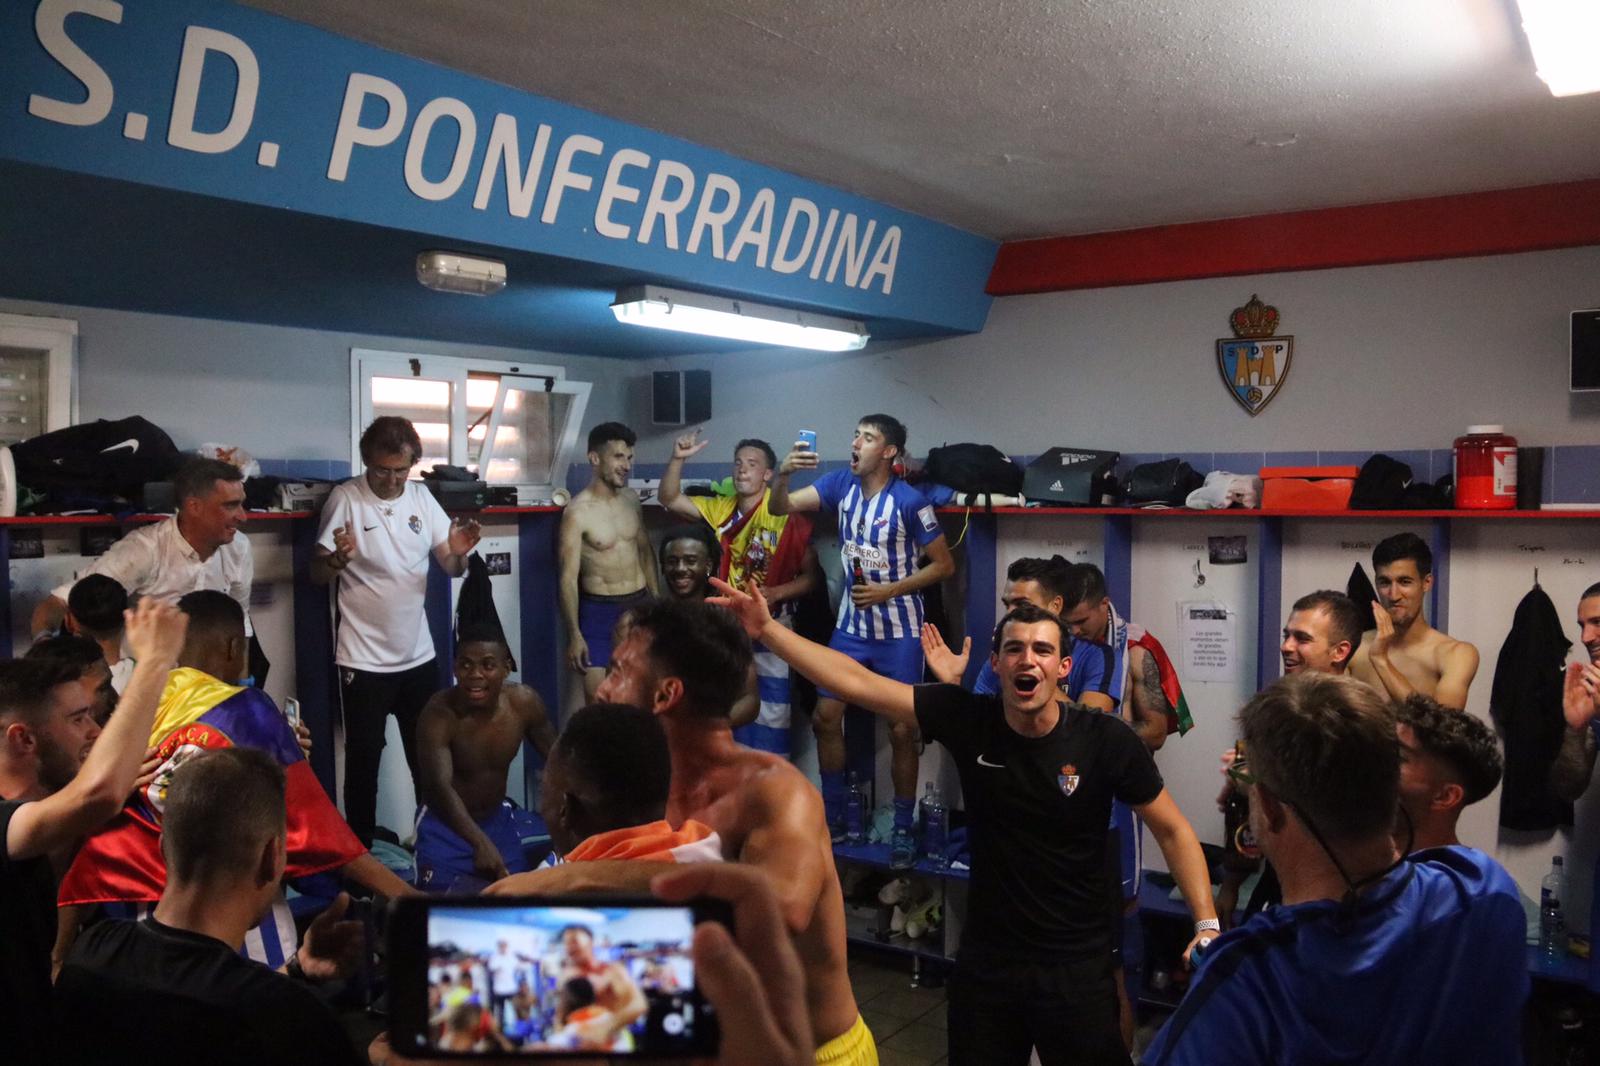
(1020,119)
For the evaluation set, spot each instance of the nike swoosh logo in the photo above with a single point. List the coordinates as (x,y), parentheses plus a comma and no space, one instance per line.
(131,444)
(368,529)
(985,762)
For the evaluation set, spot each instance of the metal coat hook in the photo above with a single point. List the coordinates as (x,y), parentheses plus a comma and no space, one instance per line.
(1536,577)
(1199,578)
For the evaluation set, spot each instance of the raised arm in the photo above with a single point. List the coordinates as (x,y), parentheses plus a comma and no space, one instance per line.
(1181,848)
(946,665)
(781,500)
(571,558)
(671,494)
(436,768)
(1574,764)
(841,675)
(155,634)
(1392,680)
(1460,666)
(453,551)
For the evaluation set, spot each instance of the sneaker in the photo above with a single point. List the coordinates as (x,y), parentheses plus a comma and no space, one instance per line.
(902,850)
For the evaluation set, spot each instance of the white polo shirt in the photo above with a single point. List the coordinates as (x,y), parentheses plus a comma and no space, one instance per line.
(155,560)
(382,627)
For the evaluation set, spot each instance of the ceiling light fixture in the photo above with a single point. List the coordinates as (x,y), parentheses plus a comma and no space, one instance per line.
(716,316)
(1564,36)
(454,272)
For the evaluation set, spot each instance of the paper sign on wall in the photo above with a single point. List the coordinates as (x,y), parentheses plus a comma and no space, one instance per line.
(1210,643)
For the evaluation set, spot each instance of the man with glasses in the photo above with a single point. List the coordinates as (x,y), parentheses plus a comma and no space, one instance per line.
(1372,957)
(377,533)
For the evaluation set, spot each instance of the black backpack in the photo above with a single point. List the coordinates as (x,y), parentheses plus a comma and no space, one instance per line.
(116,458)
(975,468)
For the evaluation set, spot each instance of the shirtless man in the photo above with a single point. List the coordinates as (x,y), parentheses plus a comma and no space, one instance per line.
(1405,654)
(467,737)
(685,662)
(614,991)
(607,564)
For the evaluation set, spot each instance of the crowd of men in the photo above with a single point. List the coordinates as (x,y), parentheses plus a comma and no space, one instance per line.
(144,777)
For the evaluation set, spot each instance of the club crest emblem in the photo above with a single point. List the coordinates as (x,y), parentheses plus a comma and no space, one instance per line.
(1068,779)
(415,524)
(1255,363)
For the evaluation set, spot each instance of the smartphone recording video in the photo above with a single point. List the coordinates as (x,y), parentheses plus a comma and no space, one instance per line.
(486,977)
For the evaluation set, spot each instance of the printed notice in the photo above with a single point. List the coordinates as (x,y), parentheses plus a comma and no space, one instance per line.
(1210,647)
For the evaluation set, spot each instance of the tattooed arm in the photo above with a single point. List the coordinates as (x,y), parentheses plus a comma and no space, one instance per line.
(1147,706)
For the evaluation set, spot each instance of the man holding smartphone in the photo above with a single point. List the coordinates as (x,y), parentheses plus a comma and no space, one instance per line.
(884,525)
(759,549)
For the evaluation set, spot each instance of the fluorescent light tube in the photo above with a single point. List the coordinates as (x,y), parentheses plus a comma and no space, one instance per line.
(716,316)
(1564,36)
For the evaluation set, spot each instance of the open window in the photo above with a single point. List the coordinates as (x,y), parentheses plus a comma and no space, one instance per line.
(512,423)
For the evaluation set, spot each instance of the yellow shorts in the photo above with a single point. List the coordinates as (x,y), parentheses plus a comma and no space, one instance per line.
(853,1047)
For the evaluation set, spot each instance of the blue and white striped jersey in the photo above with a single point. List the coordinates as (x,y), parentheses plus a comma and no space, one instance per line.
(886,533)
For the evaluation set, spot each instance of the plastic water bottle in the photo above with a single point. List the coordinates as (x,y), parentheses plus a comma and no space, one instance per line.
(1552,919)
(854,812)
(935,827)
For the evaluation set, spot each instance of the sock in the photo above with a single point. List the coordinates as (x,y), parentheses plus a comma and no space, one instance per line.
(905,811)
(833,792)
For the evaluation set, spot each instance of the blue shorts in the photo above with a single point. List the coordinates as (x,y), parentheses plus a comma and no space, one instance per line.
(444,860)
(598,616)
(899,658)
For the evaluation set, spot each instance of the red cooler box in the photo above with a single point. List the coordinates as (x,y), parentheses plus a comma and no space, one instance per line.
(1307,488)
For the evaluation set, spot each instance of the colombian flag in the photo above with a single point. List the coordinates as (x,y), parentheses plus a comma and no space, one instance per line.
(121,862)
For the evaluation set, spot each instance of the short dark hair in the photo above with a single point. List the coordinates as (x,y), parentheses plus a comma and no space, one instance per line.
(760,445)
(618,753)
(97,602)
(1051,574)
(390,435)
(80,653)
(1326,745)
(26,684)
(1461,741)
(222,806)
(1085,583)
(1344,617)
(196,477)
(606,432)
(893,430)
(1592,590)
(579,991)
(1403,546)
(698,532)
(574,928)
(701,645)
(1027,614)
(212,614)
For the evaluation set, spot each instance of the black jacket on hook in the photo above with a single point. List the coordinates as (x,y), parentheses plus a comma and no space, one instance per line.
(1525,704)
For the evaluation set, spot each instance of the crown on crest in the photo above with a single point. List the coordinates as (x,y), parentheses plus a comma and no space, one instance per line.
(1254,320)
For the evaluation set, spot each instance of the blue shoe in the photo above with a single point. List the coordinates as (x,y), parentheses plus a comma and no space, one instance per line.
(902,850)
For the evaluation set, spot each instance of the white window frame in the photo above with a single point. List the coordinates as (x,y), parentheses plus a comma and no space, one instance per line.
(366,363)
(59,338)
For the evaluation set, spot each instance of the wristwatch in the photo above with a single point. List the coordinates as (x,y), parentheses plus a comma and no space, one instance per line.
(292,968)
(1205,925)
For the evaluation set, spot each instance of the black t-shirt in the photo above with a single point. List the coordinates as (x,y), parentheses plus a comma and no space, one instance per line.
(145,992)
(27,933)
(1038,810)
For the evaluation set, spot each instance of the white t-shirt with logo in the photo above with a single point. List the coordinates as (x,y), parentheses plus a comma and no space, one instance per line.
(382,627)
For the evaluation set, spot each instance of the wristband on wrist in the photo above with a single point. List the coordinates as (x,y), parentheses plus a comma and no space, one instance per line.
(1205,925)
(292,968)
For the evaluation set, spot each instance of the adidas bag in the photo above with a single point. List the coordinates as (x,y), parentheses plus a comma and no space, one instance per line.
(117,458)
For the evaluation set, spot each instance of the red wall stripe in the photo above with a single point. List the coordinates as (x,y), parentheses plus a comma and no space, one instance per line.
(1442,227)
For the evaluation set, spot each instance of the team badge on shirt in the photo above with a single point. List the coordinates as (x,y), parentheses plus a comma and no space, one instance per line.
(415,524)
(1068,779)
